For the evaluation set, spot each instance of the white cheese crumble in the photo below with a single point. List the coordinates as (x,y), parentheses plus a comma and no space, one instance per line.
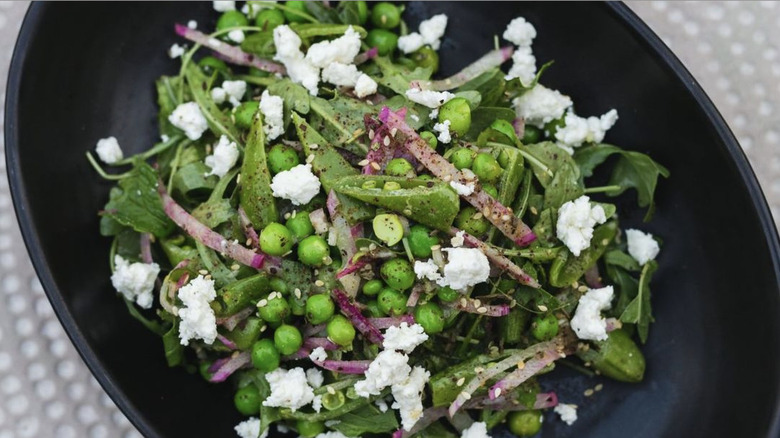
(568,413)
(443,129)
(176,51)
(408,397)
(298,184)
(465,267)
(250,429)
(433,29)
(414,117)
(316,404)
(410,43)
(388,368)
(318,355)
(587,322)
(197,316)
(288,52)
(289,389)
(429,98)
(365,86)
(576,220)
(236,35)
(135,280)
(314,377)
(108,150)
(427,270)
(458,240)
(188,118)
(642,246)
(218,95)
(462,189)
(272,108)
(404,337)
(331,434)
(224,157)
(235,91)
(520,32)
(433,114)
(342,49)
(540,105)
(476,430)
(578,130)
(381,405)
(192,24)
(343,75)
(224,6)
(524,66)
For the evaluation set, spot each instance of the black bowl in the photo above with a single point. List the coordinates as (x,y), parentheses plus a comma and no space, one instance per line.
(85,71)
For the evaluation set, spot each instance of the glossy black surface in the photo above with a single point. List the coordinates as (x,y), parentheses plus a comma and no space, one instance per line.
(713,353)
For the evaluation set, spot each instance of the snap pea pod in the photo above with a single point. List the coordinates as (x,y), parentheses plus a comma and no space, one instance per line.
(256,196)
(444,385)
(566,269)
(509,183)
(428,202)
(244,335)
(309,30)
(239,294)
(618,357)
(218,122)
(326,415)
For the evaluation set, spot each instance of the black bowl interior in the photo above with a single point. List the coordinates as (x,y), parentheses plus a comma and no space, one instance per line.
(713,366)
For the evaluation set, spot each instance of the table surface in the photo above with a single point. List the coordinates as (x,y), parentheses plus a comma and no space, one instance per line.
(47,391)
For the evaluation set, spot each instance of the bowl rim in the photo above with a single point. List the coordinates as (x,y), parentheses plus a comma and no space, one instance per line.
(621,11)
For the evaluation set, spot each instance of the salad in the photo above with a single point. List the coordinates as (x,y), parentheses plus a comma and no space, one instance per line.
(363,248)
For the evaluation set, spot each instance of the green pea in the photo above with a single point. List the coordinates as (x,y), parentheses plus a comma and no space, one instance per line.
(372,287)
(362,8)
(469,221)
(295,6)
(389,186)
(385,15)
(486,168)
(531,134)
(244,113)
(425,177)
(309,429)
(373,309)
(247,400)
(319,308)
(490,189)
(398,274)
(268,19)
(430,137)
(287,339)
(341,331)
(391,302)
(525,423)
(544,328)
(275,309)
(230,19)
(426,57)
(278,285)
(210,64)
(384,41)
(458,112)
(333,401)
(430,317)
(246,333)
(447,294)
(313,250)
(503,158)
(388,228)
(265,356)
(300,225)
(462,158)
(203,368)
(400,167)
(421,241)
(281,158)
(276,239)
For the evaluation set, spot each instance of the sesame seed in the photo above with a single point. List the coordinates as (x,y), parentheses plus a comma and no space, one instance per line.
(386,141)
(497,392)
(371,134)
(294,213)
(588,392)
(408,212)
(465,395)
(534,211)
(486,211)
(297,293)
(327,260)
(363,163)
(313,146)
(375,165)
(505,218)
(542,307)
(605,242)
(599,387)
(310,158)
(478,370)
(447,178)
(575,285)
(263,328)
(319,283)
(460,381)
(477,216)
(393,132)
(583,288)
(477,303)
(208,277)
(248,242)
(203,272)
(287,215)
(235,267)
(482,310)
(494,216)
(238,179)
(262,303)
(520,365)
(464,302)
(331,391)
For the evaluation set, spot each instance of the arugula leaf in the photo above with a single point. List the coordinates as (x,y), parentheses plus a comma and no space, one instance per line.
(214,212)
(219,122)
(166,99)
(174,351)
(339,120)
(322,13)
(260,44)
(515,87)
(545,158)
(397,78)
(484,116)
(565,186)
(617,257)
(367,419)
(435,430)
(191,181)
(490,86)
(136,204)
(627,288)
(153,326)
(295,97)
(128,244)
(567,269)
(639,310)
(348,12)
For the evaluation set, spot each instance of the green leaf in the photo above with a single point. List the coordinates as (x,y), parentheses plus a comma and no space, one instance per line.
(544,229)
(213,213)
(153,326)
(639,310)
(435,430)
(397,77)
(312,30)
(484,116)
(323,14)
(340,119)
(138,205)
(295,97)
(367,419)
(348,12)
(256,196)
(627,288)
(617,257)
(166,99)
(565,186)
(515,87)
(545,156)
(191,181)
(421,112)
(219,122)
(490,85)
(568,268)
(174,351)
(236,296)
(260,44)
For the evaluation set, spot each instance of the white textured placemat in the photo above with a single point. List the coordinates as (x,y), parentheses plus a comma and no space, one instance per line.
(47,391)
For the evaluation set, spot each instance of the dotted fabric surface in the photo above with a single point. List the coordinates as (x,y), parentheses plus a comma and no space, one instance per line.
(47,391)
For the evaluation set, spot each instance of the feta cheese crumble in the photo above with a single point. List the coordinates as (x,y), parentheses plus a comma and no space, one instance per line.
(318,355)
(224,6)
(192,24)
(289,389)
(218,95)
(523,67)
(272,108)
(388,368)
(408,397)
(314,377)
(433,114)
(236,35)
(540,105)
(430,33)
(404,337)
(576,220)
(288,52)
(642,246)
(197,316)
(443,129)
(343,75)
(135,280)
(176,51)
(587,322)
(476,430)
(365,86)
(381,405)
(108,150)
(235,91)
(188,118)
(298,184)
(410,43)
(465,267)
(520,32)
(427,270)
(429,98)
(224,157)
(568,413)
(342,49)
(578,130)
(462,189)
(250,429)
(458,240)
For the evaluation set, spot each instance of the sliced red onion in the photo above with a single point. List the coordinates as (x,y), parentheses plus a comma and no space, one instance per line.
(345,366)
(360,322)
(379,153)
(310,344)
(345,242)
(490,60)
(498,259)
(414,296)
(520,375)
(146,248)
(353,267)
(365,56)
(519,125)
(386,323)
(232,321)
(319,221)
(311,330)
(249,230)
(544,400)
(593,277)
(229,52)
(232,365)
(227,342)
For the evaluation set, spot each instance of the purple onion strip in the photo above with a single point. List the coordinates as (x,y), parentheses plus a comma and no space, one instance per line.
(227,342)
(232,365)
(249,230)
(233,320)
(490,60)
(360,322)
(345,366)
(385,323)
(228,52)
(497,258)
